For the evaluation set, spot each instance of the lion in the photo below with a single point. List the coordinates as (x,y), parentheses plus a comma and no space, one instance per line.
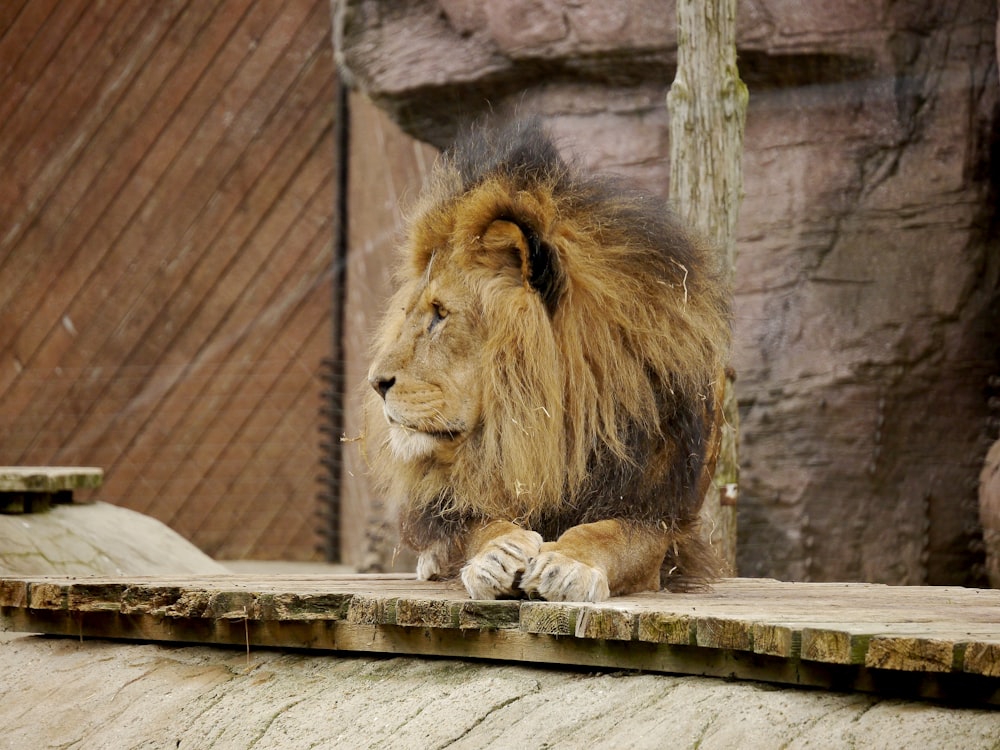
(546,382)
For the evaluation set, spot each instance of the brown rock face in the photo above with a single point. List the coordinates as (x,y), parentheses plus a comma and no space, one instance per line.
(867,301)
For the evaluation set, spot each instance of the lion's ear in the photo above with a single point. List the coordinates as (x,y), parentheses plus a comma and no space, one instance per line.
(539,266)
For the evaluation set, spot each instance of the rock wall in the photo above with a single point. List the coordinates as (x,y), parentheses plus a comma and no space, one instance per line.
(867,293)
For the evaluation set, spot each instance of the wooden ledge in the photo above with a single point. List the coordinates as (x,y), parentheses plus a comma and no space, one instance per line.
(49,478)
(31,489)
(941,643)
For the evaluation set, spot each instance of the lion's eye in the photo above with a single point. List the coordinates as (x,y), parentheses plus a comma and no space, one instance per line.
(438,314)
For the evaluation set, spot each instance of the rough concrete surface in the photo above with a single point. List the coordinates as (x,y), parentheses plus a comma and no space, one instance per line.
(67,694)
(98,539)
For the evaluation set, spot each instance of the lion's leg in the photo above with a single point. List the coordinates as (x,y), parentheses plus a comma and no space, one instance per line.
(499,552)
(594,561)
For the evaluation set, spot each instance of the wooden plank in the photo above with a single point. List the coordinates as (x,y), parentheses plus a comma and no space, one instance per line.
(228,377)
(49,478)
(545,618)
(776,640)
(605,623)
(13,594)
(833,646)
(426,613)
(721,632)
(495,615)
(35,489)
(659,627)
(913,654)
(982,658)
(928,642)
(371,610)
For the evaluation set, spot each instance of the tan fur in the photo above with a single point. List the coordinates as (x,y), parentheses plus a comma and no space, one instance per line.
(504,399)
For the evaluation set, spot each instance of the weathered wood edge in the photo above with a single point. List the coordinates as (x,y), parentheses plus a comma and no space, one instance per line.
(505,645)
(196,610)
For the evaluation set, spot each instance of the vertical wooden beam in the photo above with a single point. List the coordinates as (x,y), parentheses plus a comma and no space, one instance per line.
(707,104)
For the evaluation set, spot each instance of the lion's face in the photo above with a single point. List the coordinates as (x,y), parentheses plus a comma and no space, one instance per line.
(433,359)
(427,369)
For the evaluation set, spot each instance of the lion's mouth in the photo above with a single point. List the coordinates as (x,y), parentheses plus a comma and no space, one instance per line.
(437,434)
(411,443)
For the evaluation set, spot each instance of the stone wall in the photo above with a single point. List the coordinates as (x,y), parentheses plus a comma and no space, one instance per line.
(867,293)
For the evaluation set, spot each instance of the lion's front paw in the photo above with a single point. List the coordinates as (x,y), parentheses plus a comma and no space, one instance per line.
(432,563)
(559,578)
(494,572)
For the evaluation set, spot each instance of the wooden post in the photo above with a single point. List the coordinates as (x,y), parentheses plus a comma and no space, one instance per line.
(707,104)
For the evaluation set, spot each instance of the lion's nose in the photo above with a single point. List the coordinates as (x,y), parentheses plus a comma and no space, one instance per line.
(382,385)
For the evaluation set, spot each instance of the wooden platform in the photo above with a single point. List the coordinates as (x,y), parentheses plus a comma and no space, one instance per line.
(941,643)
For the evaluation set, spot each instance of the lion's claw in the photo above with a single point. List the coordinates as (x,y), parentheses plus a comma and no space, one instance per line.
(496,571)
(559,578)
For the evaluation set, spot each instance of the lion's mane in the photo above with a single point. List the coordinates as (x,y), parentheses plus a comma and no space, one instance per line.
(601,371)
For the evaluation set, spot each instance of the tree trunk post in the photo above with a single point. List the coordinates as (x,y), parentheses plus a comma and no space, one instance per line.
(707,104)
